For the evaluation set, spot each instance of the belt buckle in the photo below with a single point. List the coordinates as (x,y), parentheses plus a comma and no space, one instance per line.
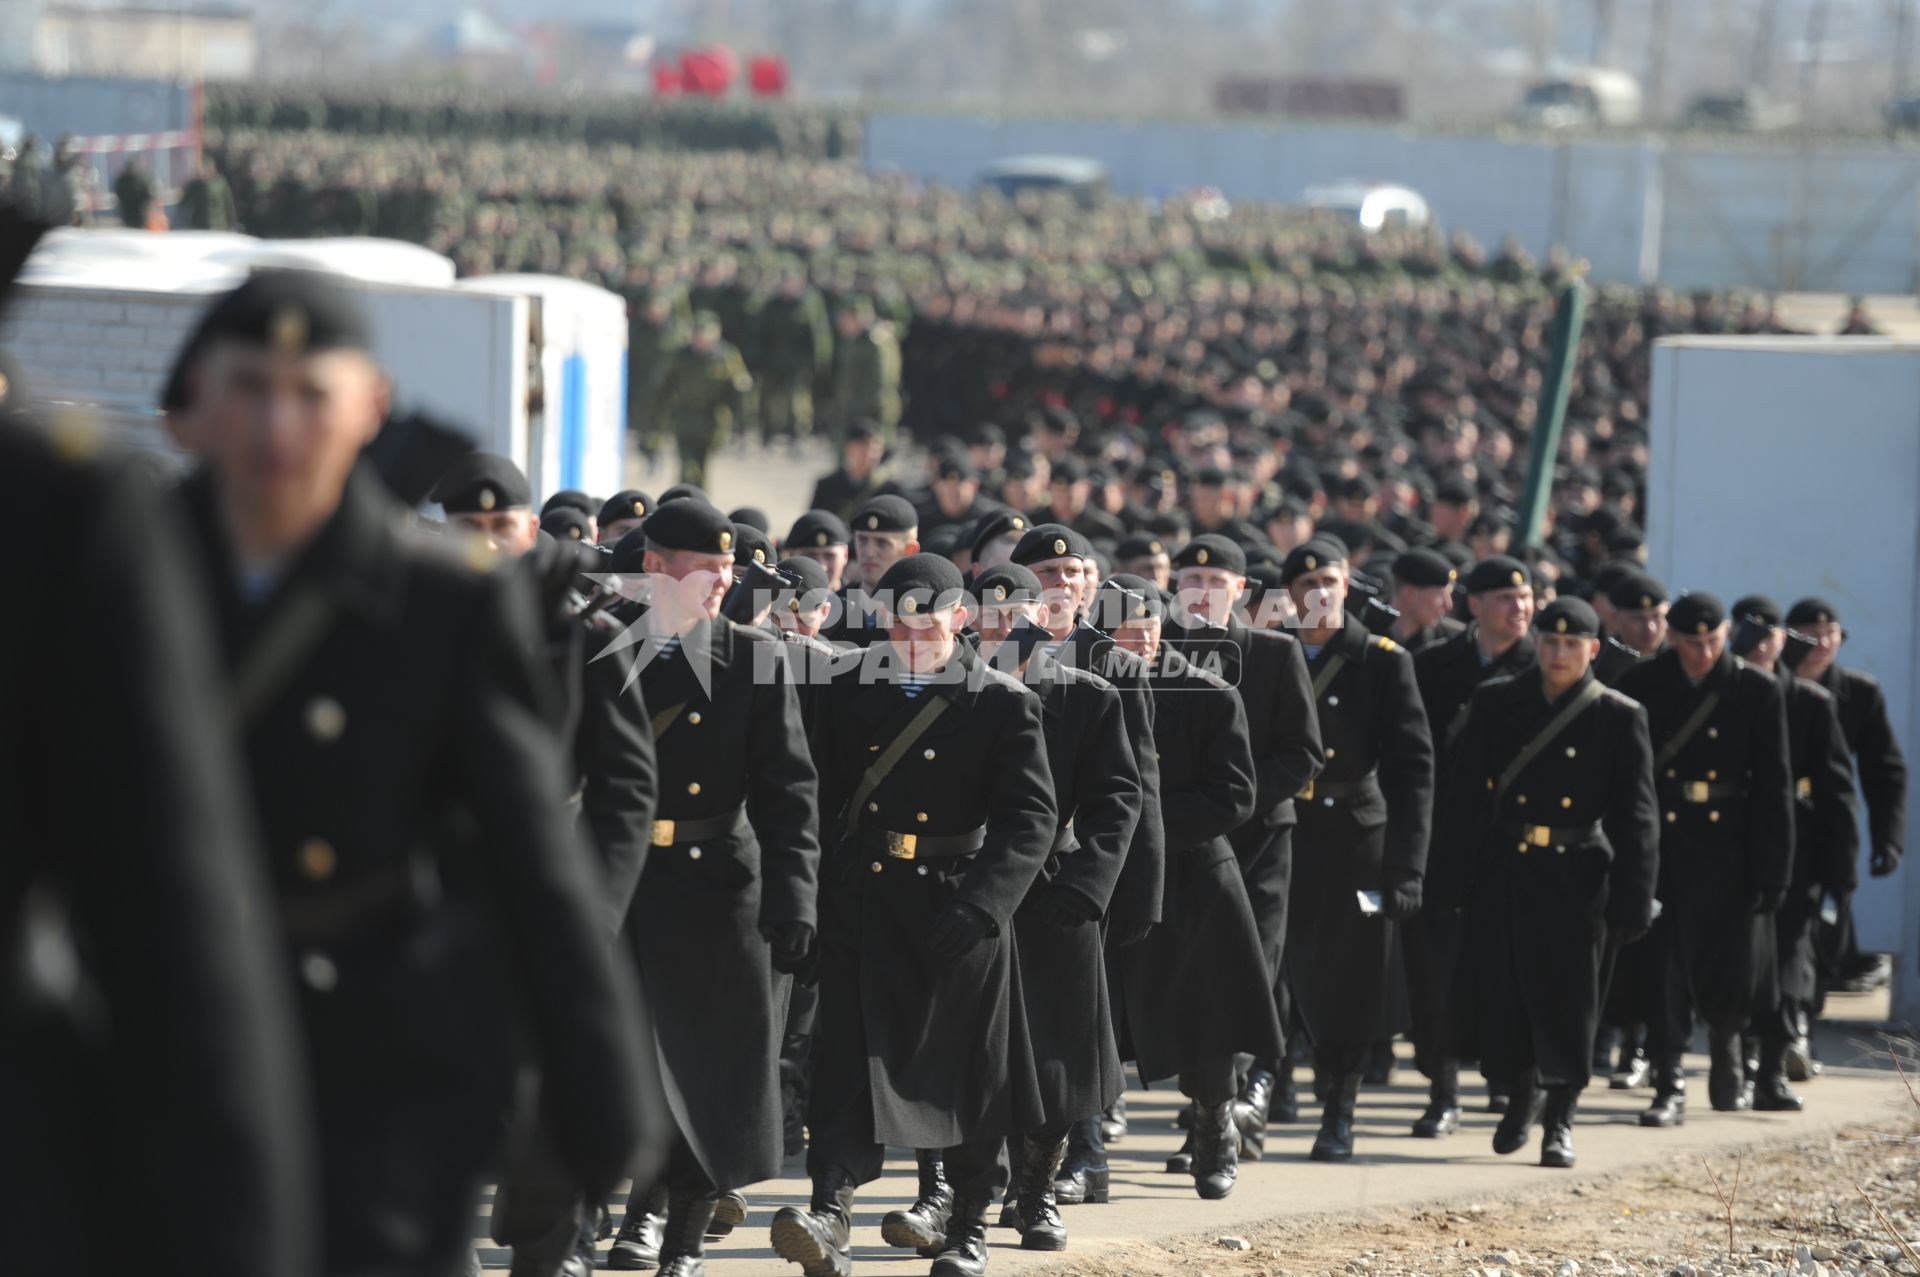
(663,833)
(902,846)
(1803,788)
(1306,793)
(1696,791)
(1540,835)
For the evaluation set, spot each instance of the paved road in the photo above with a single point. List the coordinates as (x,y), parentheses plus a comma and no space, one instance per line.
(1392,1168)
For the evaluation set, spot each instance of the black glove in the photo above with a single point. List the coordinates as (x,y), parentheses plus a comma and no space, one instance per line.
(1063,907)
(1767,899)
(1122,934)
(1400,898)
(1885,860)
(791,942)
(959,928)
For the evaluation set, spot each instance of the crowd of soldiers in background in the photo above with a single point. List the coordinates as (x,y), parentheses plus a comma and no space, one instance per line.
(67,192)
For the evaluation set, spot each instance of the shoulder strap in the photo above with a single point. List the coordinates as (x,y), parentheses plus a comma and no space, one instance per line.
(290,636)
(892,755)
(666,718)
(1688,730)
(1324,679)
(1531,750)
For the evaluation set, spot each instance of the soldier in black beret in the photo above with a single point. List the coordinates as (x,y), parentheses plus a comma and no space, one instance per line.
(1826,845)
(861,476)
(488,495)
(1144,554)
(822,536)
(1269,673)
(995,535)
(564,523)
(885,530)
(1726,857)
(622,513)
(1638,629)
(364,728)
(730,886)
(953,500)
(753,517)
(1547,744)
(1360,848)
(1059,557)
(1423,582)
(569,499)
(684,492)
(940,809)
(811,599)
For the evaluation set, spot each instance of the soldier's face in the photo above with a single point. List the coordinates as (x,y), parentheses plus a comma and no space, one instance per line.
(1827,637)
(1320,596)
(996,551)
(997,620)
(1504,615)
(1642,628)
(1699,653)
(878,551)
(283,430)
(923,639)
(802,619)
(509,532)
(1423,604)
(610,533)
(1062,585)
(1209,506)
(1142,638)
(1157,568)
(1210,593)
(831,557)
(1564,658)
(688,586)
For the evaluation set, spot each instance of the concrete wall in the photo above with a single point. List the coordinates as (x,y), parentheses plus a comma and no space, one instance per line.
(1691,216)
(1830,430)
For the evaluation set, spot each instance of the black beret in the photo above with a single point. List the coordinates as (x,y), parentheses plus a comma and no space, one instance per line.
(957,467)
(817,528)
(1009,581)
(1696,612)
(569,499)
(752,516)
(1050,541)
(1068,470)
(1497,572)
(1568,615)
(861,431)
(1211,550)
(1262,579)
(886,513)
(564,523)
(295,312)
(1125,597)
(1812,612)
(987,435)
(629,503)
(995,526)
(1760,609)
(922,582)
(1636,591)
(684,491)
(1607,573)
(1310,556)
(751,545)
(481,483)
(630,552)
(1455,491)
(943,541)
(803,575)
(1139,546)
(689,524)
(1424,568)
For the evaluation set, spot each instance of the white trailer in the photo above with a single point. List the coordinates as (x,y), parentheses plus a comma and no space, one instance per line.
(1791,467)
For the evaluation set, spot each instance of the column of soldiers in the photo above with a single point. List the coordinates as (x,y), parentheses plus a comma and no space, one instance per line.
(947,837)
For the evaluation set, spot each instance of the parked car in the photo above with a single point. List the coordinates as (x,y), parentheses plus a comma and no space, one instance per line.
(1372,206)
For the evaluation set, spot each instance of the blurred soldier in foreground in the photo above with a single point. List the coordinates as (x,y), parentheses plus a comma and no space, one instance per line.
(409,794)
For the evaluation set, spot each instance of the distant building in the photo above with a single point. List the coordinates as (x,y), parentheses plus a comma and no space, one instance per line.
(155,44)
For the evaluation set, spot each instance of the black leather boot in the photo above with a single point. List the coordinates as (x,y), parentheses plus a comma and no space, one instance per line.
(1771,1092)
(1284,1106)
(1669,1107)
(1113,1123)
(922,1226)
(1727,1075)
(1516,1124)
(1498,1097)
(1250,1113)
(1040,1225)
(1216,1150)
(1633,1069)
(682,1246)
(1442,1117)
(637,1247)
(793,1111)
(817,1238)
(1181,1163)
(729,1212)
(1379,1071)
(964,1253)
(1556,1147)
(1334,1143)
(1084,1178)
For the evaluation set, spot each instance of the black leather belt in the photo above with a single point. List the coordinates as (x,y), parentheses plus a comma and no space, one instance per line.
(1538,837)
(1700,791)
(1324,789)
(666,833)
(925,846)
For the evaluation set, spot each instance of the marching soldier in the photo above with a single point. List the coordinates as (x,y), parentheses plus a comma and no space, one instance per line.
(1423,596)
(941,811)
(1197,994)
(1545,904)
(1826,846)
(861,476)
(792,348)
(1500,597)
(1721,768)
(821,535)
(729,889)
(376,749)
(866,369)
(704,390)
(655,333)
(1360,848)
(1268,671)
(620,514)
(885,530)
(1639,626)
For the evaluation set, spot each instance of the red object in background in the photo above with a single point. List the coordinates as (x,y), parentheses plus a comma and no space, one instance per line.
(709,72)
(667,82)
(767,75)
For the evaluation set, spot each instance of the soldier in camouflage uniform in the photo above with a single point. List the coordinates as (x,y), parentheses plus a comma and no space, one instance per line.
(206,202)
(866,369)
(657,327)
(793,344)
(704,390)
